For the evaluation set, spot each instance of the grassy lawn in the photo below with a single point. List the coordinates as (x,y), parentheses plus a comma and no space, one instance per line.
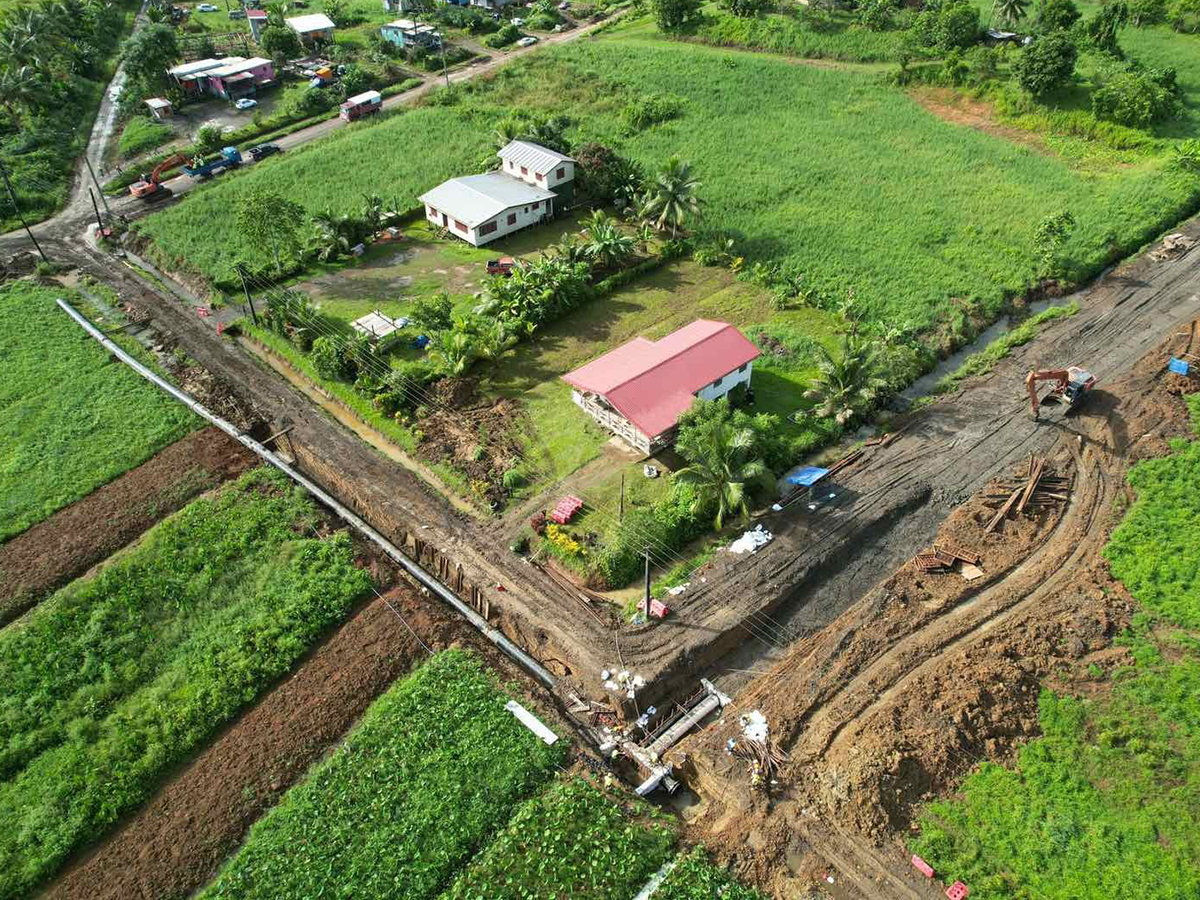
(72,418)
(433,771)
(117,677)
(1107,802)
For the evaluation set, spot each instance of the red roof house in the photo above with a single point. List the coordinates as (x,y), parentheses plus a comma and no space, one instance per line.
(640,389)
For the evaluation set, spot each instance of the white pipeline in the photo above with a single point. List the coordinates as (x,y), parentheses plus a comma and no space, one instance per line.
(512,650)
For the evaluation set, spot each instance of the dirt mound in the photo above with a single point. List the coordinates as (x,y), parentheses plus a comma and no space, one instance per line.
(74,539)
(479,443)
(454,393)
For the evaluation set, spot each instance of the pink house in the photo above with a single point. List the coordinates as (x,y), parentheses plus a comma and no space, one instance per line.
(241,78)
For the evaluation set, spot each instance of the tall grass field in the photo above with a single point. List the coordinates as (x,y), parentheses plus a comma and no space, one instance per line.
(71,417)
(834,172)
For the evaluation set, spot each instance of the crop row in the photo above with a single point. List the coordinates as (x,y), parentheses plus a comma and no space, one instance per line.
(117,677)
(70,418)
(433,770)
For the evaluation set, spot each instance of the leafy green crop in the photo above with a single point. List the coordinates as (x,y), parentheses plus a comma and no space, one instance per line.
(71,419)
(117,677)
(434,769)
(570,841)
(695,878)
(1106,805)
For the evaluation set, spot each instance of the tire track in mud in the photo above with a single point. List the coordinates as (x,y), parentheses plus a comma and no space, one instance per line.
(920,652)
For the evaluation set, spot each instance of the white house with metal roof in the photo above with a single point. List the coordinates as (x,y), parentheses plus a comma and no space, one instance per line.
(481,208)
(531,183)
(540,167)
(313,27)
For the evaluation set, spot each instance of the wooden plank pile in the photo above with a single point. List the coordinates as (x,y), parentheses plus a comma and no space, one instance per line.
(1041,488)
(943,557)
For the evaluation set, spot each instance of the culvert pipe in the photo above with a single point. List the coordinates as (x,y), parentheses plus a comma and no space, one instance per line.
(519,656)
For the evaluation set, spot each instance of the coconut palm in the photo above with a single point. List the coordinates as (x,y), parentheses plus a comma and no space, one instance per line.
(373,213)
(847,382)
(20,89)
(1010,12)
(670,199)
(723,468)
(570,250)
(606,244)
(453,352)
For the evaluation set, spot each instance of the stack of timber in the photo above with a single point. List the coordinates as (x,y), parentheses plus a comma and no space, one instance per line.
(1040,488)
(943,557)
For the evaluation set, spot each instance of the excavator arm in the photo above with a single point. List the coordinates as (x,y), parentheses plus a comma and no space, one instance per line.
(148,185)
(177,160)
(1060,377)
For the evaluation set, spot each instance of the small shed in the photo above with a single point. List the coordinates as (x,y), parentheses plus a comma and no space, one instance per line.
(258,21)
(376,325)
(407,33)
(160,107)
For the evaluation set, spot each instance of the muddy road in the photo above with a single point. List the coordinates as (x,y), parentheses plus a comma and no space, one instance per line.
(752,607)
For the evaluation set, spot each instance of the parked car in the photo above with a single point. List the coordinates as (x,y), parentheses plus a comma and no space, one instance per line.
(237,14)
(527,41)
(502,266)
(264,150)
(206,7)
(245,103)
(564,5)
(517,21)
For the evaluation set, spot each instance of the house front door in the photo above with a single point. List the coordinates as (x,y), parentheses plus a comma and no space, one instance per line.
(445,221)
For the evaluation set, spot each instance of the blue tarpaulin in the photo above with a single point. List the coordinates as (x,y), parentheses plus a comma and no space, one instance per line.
(1178,366)
(808,476)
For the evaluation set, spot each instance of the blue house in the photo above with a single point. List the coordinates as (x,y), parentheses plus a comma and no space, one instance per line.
(407,33)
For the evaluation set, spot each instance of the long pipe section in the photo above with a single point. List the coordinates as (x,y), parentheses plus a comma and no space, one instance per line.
(512,650)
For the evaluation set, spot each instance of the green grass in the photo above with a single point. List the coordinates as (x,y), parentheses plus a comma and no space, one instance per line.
(834,172)
(983,362)
(572,840)
(141,134)
(432,772)
(116,678)
(694,877)
(1106,804)
(71,417)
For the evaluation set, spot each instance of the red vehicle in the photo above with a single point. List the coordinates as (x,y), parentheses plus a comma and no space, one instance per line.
(502,266)
(361,105)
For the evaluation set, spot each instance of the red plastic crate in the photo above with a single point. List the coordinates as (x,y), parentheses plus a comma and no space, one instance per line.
(957,891)
(921,866)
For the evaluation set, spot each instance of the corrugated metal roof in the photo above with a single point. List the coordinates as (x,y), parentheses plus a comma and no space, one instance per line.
(200,65)
(242,65)
(476,198)
(364,97)
(535,157)
(311,22)
(652,383)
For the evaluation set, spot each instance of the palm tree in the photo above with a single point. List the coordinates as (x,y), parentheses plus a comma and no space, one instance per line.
(1010,12)
(570,250)
(847,383)
(373,213)
(606,243)
(723,470)
(670,198)
(20,89)
(453,352)
(328,239)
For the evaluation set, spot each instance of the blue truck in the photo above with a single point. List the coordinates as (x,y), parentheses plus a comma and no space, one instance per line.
(198,168)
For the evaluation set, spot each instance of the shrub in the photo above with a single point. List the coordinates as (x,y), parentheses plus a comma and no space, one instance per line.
(330,360)
(1187,155)
(650,109)
(209,138)
(747,8)
(675,15)
(432,313)
(667,525)
(1136,97)
(1144,13)
(502,38)
(1184,15)
(1055,15)
(876,14)
(1046,64)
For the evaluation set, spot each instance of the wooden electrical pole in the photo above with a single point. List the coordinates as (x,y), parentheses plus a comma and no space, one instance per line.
(21,218)
(241,270)
(103,199)
(647,598)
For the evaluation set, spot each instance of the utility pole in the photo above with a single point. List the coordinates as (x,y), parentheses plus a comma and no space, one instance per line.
(621,512)
(647,599)
(17,210)
(99,223)
(445,71)
(241,270)
(103,199)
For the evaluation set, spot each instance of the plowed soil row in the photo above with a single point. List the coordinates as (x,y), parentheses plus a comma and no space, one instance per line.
(928,674)
(74,539)
(176,843)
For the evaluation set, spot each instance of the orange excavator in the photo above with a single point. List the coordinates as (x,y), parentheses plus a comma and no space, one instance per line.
(149,188)
(1070,385)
